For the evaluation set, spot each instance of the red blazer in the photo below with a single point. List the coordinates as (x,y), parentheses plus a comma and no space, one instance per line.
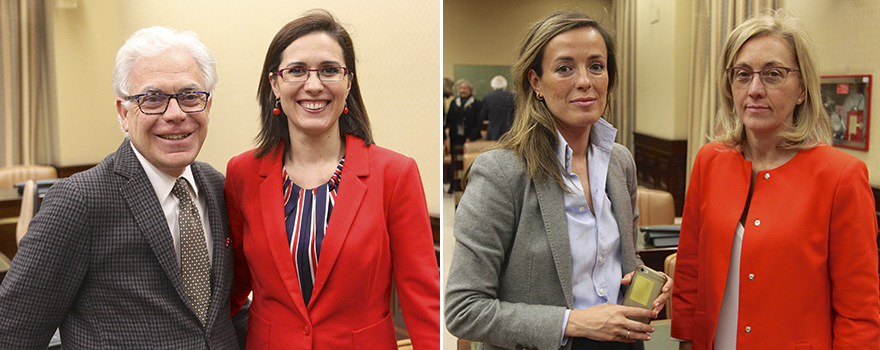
(379,229)
(809,254)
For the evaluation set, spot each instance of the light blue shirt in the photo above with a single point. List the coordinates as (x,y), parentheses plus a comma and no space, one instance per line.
(594,239)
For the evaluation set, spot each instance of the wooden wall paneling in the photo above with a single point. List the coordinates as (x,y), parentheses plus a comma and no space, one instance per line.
(66,171)
(662,165)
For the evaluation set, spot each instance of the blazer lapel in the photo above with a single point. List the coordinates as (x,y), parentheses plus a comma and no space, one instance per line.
(621,208)
(348,200)
(553,213)
(147,212)
(271,199)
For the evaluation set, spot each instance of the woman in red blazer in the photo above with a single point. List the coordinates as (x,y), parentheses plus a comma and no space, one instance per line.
(778,238)
(323,281)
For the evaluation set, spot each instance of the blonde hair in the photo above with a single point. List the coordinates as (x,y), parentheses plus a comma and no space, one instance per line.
(810,124)
(532,137)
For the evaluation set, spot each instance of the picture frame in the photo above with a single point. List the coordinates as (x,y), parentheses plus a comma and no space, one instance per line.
(847,99)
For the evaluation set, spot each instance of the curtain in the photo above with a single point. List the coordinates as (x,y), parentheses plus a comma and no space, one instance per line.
(25,84)
(622,102)
(713,20)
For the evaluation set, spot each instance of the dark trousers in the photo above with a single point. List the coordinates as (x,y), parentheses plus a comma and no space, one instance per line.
(589,344)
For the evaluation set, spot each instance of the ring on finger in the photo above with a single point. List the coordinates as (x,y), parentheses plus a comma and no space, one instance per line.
(627,334)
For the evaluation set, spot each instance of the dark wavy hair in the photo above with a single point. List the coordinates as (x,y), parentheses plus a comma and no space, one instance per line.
(273,128)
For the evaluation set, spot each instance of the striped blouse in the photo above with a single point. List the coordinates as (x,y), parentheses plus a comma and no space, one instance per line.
(307,213)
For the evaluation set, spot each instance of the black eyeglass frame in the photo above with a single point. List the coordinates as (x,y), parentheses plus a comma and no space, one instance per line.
(731,78)
(137,100)
(280,72)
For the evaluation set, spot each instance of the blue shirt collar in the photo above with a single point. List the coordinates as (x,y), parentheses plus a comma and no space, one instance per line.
(602,135)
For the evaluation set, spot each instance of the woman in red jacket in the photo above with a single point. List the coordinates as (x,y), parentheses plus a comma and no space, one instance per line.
(777,246)
(323,281)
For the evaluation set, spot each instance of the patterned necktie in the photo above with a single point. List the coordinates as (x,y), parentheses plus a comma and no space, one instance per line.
(194,264)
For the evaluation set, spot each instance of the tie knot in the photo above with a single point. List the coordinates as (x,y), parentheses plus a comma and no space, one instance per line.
(181,189)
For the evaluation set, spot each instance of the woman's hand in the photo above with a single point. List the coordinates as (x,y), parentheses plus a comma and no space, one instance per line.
(665,293)
(608,322)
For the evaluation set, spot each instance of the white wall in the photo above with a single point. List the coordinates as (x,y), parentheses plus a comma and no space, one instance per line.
(847,39)
(663,39)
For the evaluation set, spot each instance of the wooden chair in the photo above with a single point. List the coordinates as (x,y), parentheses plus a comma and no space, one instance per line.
(477,146)
(470,151)
(473,149)
(669,269)
(656,207)
(9,176)
(457,169)
(30,203)
(447,161)
(404,344)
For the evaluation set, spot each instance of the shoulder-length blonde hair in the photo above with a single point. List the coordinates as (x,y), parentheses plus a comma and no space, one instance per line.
(810,124)
(533,133)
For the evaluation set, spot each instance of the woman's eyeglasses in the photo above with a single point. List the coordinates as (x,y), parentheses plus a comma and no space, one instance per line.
(771,76)
(300,74)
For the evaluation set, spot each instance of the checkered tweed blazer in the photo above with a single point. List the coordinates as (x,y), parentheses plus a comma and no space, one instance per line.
(98,261)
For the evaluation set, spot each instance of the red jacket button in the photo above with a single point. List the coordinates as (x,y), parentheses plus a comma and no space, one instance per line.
(306,330)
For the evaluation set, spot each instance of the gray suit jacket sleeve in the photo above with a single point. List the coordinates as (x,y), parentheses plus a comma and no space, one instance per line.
(46,272)
(509,282)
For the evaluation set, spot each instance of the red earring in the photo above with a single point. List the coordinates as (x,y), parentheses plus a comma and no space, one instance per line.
(277,109)
(345,110)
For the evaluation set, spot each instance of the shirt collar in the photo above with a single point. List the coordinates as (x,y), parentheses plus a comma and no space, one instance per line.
(162,182)
(602,135)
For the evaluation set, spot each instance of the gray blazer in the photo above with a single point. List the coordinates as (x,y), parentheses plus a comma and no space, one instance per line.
(98,261)
(509,283)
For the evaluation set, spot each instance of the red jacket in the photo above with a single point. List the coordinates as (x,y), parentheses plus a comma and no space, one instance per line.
(379,229)
(808,273)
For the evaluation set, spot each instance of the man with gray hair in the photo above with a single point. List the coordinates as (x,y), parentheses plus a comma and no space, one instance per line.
(498,109)
(133,253)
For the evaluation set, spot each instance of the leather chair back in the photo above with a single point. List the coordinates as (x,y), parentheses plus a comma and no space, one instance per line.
(404,344)
(9,176)
(656,207)
(470,150)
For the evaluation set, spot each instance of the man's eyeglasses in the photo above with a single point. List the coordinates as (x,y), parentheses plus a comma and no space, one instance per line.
(771,76)
(300,74)
(157,103)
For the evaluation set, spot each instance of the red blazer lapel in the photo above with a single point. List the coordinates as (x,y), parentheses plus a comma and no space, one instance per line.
(271,201)
(348,201)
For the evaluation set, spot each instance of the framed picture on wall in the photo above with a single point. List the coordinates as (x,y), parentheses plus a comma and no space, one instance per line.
(847,99)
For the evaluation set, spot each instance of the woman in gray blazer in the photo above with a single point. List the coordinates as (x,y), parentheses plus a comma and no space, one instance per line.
(546,228)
